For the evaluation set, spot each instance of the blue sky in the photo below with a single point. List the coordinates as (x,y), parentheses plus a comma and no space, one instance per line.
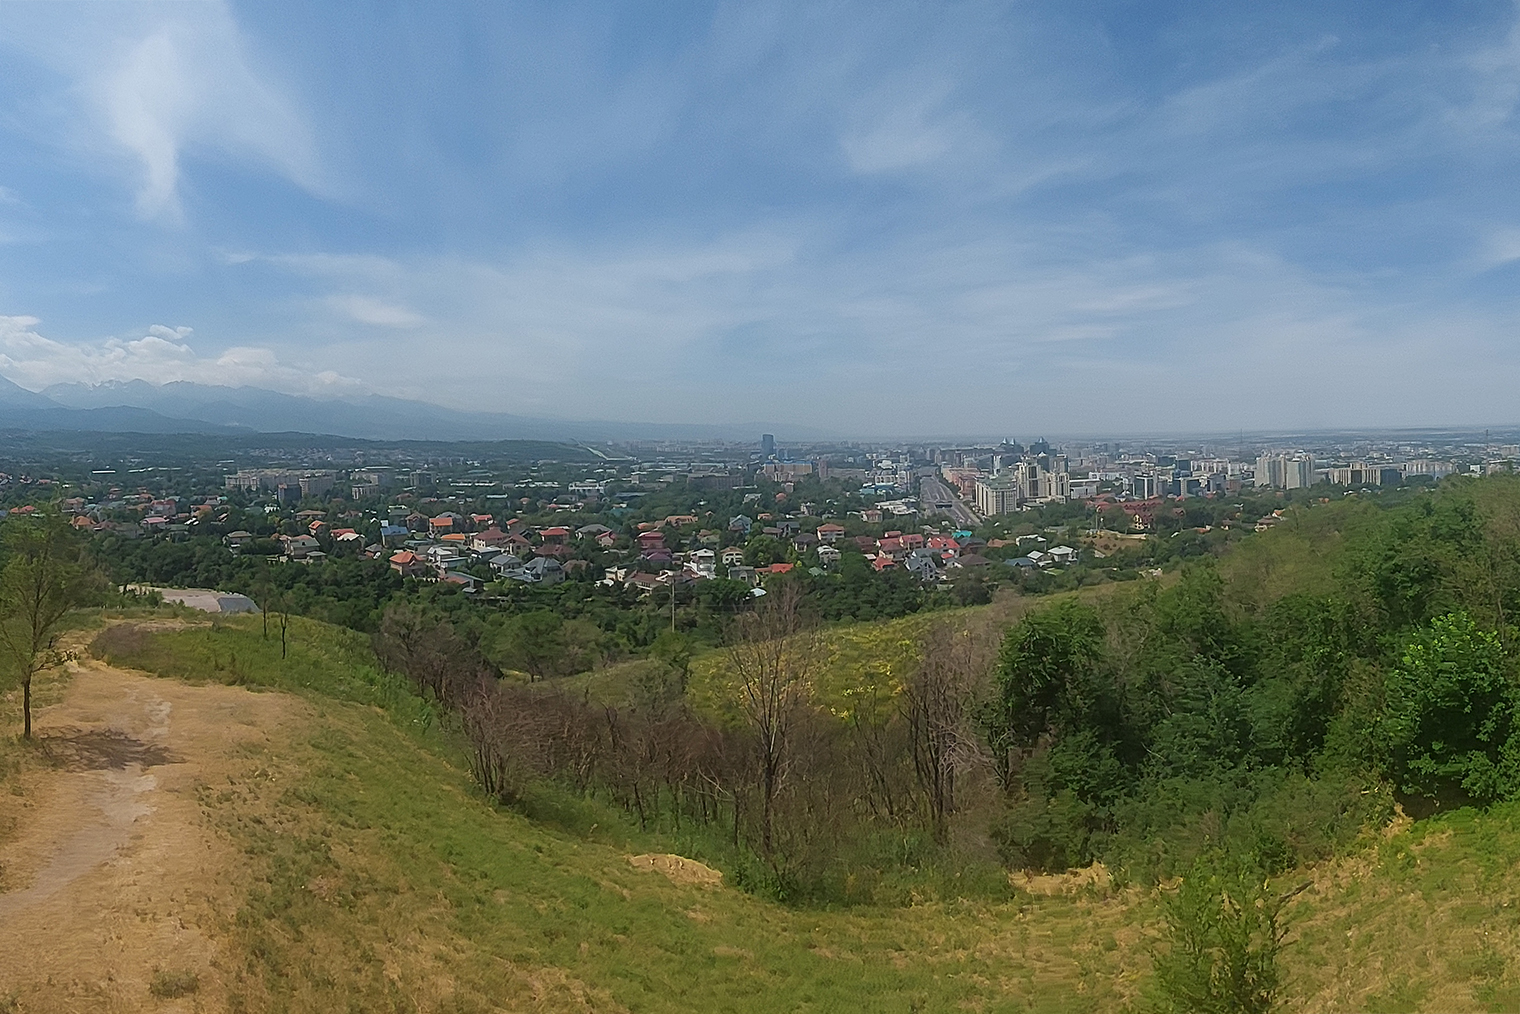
(867,218)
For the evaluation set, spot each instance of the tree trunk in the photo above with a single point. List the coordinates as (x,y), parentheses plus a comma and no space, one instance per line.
(26,707)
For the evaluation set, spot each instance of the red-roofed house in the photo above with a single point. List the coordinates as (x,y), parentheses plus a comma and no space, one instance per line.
(491,538)
(555,536)
(650,540)
(830,533)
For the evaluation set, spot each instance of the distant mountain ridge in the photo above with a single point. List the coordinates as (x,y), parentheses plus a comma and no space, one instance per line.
(183,406)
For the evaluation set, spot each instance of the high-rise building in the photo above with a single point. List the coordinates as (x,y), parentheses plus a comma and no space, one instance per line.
(1299,472)
(767,445)
(997,495)
(1282,471)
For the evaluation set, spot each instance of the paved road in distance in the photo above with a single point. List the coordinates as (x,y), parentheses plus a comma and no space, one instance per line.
(933,495)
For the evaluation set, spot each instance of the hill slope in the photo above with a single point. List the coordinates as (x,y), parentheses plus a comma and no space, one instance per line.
(339,859)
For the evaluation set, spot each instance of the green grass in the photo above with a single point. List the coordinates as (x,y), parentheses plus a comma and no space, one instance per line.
(377,879)
(382,881)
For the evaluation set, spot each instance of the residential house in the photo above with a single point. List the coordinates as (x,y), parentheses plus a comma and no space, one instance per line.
(828,556)
(944,545)
(740,523)
(646,583)
(235,541)
(703,563)
(505,564)
(650,541)
(491,538)
(606,540)
(557,536)
(408,564)
(923,566)
(467,583)
(591,531)
(544,570)
(733,556)
(299,547)
(742,573)
(1063,556)
(830,533)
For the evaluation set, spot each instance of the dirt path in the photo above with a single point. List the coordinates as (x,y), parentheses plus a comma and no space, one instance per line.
(114,876)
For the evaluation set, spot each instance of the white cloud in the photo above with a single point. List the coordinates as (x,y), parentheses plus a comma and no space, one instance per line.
(163,82)
(159,356)
(367,310)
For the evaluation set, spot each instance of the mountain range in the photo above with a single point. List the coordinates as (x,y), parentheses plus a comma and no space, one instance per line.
(184,407)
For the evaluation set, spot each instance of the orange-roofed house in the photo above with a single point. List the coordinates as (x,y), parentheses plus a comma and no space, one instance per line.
(408,564)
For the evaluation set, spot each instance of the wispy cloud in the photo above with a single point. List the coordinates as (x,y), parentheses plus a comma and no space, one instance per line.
(159,84)
(368,310)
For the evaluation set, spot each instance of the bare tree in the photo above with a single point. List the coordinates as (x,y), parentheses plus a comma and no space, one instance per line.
(776,657)
(41,582)
(937,704)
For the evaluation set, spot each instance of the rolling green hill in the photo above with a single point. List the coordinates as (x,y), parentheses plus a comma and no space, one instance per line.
(383,881)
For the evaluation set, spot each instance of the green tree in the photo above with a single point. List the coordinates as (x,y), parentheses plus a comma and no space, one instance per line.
(41,581)
(1043,680)
(532,643)
(1450,716)
(1222,941)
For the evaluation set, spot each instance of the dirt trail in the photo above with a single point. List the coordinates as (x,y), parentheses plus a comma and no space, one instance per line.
(114,875)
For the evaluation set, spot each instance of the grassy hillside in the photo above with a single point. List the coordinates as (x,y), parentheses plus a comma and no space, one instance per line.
(379,880)
(385,882)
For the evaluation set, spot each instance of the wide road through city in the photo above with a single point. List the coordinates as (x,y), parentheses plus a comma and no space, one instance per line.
(935,495)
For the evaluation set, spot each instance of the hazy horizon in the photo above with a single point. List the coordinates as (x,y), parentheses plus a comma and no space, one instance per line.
(983,218)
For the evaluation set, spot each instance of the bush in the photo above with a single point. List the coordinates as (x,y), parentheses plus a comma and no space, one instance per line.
(1450,720)
(1045,834)
(169,985)
(1223,937)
